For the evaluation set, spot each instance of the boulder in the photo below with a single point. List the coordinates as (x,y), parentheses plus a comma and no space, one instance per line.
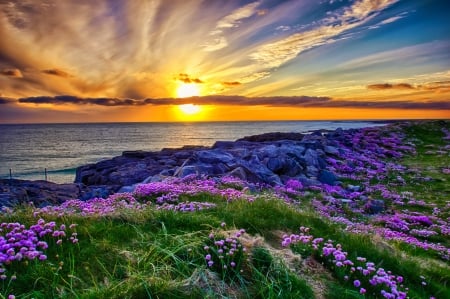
(311,158)
(376,206)
(331,150)
(273,137)
(43,193)
(214,156)
(276,164)
(238,172)
(327,177)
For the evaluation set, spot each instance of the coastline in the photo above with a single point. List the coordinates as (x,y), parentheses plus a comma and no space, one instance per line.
(269,158)
(30,149)
(376,207)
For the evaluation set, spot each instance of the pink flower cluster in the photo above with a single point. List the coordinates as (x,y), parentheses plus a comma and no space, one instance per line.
(225,255)
(93,207)
(289,191)
(170,191)
(366,276)
(362,159)
(17,242)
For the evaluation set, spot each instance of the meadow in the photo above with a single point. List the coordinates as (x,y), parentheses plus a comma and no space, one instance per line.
(382,233)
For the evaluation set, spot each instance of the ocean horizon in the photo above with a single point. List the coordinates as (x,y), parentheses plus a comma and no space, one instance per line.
(30,151)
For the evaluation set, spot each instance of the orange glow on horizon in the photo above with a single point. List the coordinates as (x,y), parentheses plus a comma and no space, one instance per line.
(189,109)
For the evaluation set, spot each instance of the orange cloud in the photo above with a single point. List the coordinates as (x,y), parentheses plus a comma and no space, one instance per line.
(56,72)
(187,79)
(384,86)
(232,83)
(4,100)
(276,101)
(16,73)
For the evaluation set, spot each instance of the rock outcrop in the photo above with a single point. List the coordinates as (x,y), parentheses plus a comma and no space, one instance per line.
(271,159)
(42,193)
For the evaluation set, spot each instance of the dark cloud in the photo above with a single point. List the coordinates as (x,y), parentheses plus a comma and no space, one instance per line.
(403,105)
(12,73)
(187,79)
(384,86)
(233,83)
(56,72)
(4,100)
(302,101)
(295,101)
(67,99)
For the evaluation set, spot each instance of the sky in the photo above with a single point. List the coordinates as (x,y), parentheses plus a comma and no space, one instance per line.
(217,60)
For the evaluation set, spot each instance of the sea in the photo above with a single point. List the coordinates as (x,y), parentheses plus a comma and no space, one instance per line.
(54,151)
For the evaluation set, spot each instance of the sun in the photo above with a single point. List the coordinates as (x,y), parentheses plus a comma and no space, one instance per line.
(189,109)
(186,90)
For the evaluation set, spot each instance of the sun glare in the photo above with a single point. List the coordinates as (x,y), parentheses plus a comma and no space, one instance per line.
(186,90)
(189,109)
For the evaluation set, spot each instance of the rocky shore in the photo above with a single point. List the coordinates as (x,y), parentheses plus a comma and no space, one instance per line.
(272,159)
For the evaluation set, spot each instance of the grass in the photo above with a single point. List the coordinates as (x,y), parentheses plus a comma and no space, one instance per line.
(151,253)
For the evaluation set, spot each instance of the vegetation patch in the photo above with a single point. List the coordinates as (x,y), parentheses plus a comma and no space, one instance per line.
(381,233)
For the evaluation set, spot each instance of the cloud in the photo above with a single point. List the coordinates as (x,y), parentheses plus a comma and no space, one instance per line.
(403,105)
(388,21)
(186,79)
(254,77)
(283,28)
(16,73)
(384,86)
(234,19)
(215,44)
(438,86)
(66,99)
(273,55)
(400,56)
(56,72)
(135,49)
(276,101)
(435,85)
(231,83)
(302,101)
(4,100)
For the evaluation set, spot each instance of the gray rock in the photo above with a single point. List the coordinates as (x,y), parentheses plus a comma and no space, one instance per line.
(276,164)
(307,181)
(331,150)
(376,206)
(312,171)
(238,172)
(353,188)
(311,158)
(292,168)
(214,156)
(322,163)
(185,171)
(43,193)
(346,200)
(224,144)
(270,151)
(273,137)
(327,177)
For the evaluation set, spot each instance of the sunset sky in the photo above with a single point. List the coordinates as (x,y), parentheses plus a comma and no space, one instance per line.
(217,60)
